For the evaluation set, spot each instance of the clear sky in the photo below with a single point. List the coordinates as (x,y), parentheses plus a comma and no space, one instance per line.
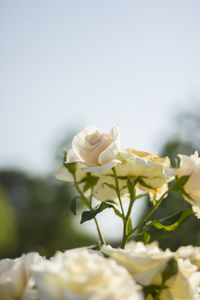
(66,64)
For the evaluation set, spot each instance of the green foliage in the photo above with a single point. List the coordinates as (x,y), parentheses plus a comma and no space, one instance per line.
(146,237)
(155,290)
(184,215)
(91,214)
(71,167)
(73,205)
(185,140)
(170,270)
(89,182)
(39,209)
(8,229)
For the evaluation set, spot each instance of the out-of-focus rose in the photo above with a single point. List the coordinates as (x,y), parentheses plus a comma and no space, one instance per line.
(81,274)
(146,264)
(191,253)
(143,262)
(15,277)
(154,171)
(190,166)
(184,285)
(12,279)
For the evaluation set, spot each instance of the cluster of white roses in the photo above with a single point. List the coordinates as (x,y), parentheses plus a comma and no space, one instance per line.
(96,152)
(134,273)
(100,168)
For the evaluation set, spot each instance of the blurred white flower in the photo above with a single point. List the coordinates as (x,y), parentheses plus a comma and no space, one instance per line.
(81,274)
(190,252)
(12,279)
(190,166)
(143,262)
(155,172)
(15,277)
(184,285)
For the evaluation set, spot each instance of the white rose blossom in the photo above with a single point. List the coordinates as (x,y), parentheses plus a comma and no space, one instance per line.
(80,274)
(156,172)
(146,264)
(12,279)
(94,151)
(15,277)
(184,285)
(190,166)
(143,262)
(190,252)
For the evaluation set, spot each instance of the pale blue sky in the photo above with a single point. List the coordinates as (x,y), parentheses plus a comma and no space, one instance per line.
(66,64)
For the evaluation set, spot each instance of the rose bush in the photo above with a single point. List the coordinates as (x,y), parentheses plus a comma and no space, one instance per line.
(143,262)
(136,273)
(100,169)
(147,264)
(76,274)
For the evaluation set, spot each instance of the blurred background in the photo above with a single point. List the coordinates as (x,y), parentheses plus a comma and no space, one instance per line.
(68,64)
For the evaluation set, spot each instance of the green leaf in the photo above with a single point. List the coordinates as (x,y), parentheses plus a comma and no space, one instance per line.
(90,182)
(170,270)
(180,182)
(91,214)
(153,290)
(141,181)
(112,186)
(71,167)
(73,205)
(65,155)
(146,237)
(158,235)
(185,214)
(182,191)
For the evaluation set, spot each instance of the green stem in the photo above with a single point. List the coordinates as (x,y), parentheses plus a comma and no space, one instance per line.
(150,212)
(122,210)
(132,200)
(118,191)
(88,204)
(99,233)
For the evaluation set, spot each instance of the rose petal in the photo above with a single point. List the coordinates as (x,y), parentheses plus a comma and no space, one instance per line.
(104,168)
(72,156)
(64,175)
(79,140)
(108,154)
(102,192)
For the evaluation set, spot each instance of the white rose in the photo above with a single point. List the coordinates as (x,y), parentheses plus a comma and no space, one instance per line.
(12,279)
(191,253)
(15,277)
(184,285)
(81,274)
(156,172)
(145,263)
(95,149)
(190,166)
